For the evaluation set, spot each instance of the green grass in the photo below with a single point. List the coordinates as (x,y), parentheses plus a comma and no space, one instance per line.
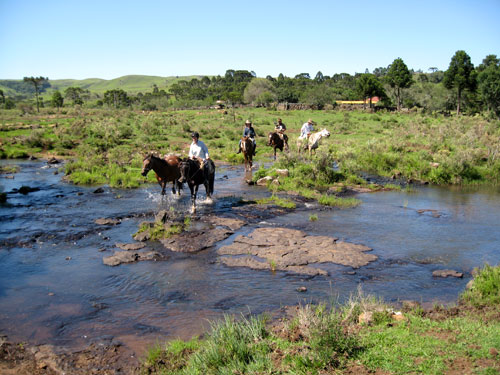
(321,339)
(485,287)
(454,150)
(281,202)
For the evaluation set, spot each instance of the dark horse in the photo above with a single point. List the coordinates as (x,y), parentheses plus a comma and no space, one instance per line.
(195,176)
(275,141)
(247,148)
(166,170)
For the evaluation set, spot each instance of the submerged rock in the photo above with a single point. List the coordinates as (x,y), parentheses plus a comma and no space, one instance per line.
(194,241)
(293,251)
(120,257)
(446,273)
(107,221)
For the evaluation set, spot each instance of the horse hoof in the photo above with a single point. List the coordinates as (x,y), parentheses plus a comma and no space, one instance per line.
(210,200)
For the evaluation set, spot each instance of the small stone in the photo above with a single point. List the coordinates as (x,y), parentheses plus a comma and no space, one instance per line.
(79,193)
(302,289)
(264,181)
(398,316)
(365,318)
(68,258)
(51,294)
(98,191)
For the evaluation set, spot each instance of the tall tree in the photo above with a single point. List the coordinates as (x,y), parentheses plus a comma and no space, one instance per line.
(489,83)
(460,75)
(74,94)
(37,82)
(57,99)
(369,86)
(117,98)
(398,77)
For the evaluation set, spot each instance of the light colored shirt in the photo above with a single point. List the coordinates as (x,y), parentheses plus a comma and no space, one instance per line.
(306,129)
(198,150)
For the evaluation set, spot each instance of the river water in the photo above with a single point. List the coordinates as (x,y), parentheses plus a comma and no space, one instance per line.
(54,287)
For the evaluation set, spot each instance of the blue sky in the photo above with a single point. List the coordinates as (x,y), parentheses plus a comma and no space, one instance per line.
(108,39)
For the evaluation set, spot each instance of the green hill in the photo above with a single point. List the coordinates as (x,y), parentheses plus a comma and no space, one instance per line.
(132,84)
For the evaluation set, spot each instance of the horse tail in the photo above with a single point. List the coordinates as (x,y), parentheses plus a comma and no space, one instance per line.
(211,175)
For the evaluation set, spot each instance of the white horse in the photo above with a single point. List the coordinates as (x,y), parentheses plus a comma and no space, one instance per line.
(312,141)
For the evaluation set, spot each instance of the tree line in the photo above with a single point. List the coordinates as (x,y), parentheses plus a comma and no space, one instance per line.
(461,88)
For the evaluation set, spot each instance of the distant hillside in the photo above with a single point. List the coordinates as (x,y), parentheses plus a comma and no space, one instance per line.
(132,84)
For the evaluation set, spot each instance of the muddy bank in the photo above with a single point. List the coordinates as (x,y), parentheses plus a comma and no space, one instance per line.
(105,357)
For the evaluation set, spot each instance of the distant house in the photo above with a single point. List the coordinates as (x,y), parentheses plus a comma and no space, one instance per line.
(375,100)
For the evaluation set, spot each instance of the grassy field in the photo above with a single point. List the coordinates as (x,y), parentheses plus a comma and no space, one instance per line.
(107,146)
(360,337)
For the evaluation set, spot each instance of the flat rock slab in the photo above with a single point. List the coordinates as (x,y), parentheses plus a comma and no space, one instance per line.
(130,246)
(446,273)
(120,257)
(291,250)
(194,241)
(233,224)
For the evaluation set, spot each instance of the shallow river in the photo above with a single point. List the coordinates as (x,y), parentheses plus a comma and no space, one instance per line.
(54,287)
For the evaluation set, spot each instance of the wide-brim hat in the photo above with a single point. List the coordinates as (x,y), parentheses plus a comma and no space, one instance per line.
(248,122)
(310,121)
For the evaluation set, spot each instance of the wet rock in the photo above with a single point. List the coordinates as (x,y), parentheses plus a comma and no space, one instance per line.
(143,236)
(107,221)
(79,193)
(470,284)
(53,161)
(250,182)
(99,191)
(233,224)
(434,213)
(130,246)
(32,157)
(162,216)
(194,241)
(447,273)
(120,257)
(293,251)
(264,181)
(350,273)
(302,289)
(27,189)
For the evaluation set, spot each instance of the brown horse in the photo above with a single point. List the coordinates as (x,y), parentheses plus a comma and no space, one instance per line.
(247,148)
(275,141)
(166,170)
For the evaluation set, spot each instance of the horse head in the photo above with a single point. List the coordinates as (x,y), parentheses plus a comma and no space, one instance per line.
(324,133)
(146,165)
(184,170)
(271,139)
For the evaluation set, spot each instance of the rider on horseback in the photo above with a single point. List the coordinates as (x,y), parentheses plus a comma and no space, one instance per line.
(198,150)
(280,129)
(250,133)
(307,129)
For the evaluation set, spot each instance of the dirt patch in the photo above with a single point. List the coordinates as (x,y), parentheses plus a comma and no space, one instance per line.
(96,359)
(293,251)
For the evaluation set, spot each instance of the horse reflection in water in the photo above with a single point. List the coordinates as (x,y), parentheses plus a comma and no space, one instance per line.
(194,175)
(166,170)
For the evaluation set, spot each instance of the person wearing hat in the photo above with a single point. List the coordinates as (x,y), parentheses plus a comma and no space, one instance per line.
(307,129)
(280,128)
(249,132)
(198,150)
